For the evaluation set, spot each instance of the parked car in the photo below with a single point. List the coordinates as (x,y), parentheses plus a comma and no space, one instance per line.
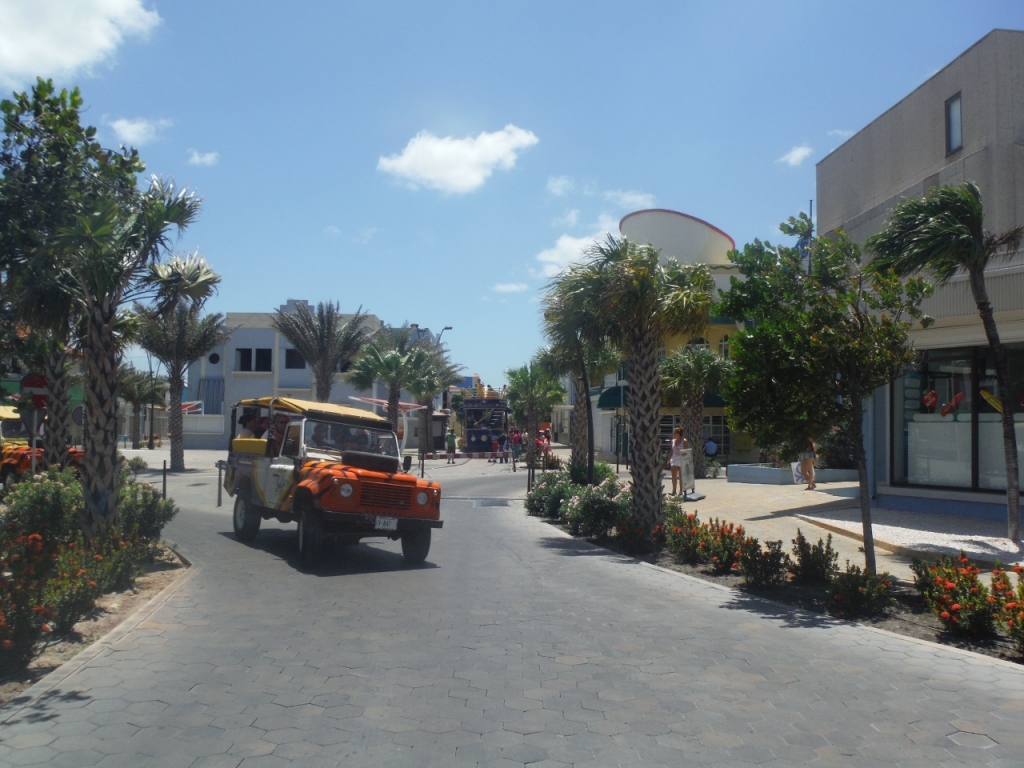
(333,470)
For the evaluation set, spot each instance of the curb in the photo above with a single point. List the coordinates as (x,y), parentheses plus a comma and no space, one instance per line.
(803,612)
(66,670)
(896,549)
(1019,668)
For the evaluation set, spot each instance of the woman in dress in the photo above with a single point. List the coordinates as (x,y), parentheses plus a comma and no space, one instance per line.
(807,463)
(675,460)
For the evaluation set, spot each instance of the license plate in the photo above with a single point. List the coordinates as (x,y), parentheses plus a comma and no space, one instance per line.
(387,524)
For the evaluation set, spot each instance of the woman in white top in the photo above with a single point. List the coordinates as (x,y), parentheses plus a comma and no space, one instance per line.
(675,460)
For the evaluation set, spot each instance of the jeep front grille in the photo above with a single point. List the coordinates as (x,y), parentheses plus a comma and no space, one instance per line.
(386,496)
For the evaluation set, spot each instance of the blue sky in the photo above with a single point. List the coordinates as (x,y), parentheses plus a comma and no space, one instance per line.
(435,163)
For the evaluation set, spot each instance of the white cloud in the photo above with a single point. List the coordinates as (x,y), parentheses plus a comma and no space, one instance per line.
(457,165)
(840,133)
(629,199)
(332,230)
(366,235)
(510,287)
(55,38)
(206,158)
(568,220)
(560,185)
(569,250)
(796,155)
(139,131)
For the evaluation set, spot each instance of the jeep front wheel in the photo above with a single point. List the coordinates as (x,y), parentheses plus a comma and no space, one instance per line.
(311,537)
(245,520)
(416,545)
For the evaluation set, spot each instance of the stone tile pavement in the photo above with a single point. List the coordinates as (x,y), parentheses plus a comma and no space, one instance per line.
(515,646)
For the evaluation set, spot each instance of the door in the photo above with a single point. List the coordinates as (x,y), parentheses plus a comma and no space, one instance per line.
(278,484)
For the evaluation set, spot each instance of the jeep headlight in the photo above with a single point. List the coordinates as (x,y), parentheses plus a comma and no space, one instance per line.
(345,490)
(421,498)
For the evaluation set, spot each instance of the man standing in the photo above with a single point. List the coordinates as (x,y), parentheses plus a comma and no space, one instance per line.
(450,445)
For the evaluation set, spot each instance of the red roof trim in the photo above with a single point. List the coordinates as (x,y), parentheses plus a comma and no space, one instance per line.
(685,216)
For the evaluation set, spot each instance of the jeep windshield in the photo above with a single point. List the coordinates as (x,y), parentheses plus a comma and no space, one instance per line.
(334,438)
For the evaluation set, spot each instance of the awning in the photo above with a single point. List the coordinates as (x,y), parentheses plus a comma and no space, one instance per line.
(614,397)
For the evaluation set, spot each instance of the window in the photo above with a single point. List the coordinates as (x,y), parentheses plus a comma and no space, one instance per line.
(717,428)
(954,126)
(699,341)
(263,359)
(245,359)
(723,347)
(292,359)
(214,358)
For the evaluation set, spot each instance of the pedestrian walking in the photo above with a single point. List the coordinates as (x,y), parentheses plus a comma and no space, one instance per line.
(517,444)
(494,451)
(807,463)
(450,445)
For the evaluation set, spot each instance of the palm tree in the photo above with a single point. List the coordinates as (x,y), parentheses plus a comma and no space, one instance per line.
(109,251)
(326,343)
(177,341)
(390,356)
(578,331)
(944,233)
(685,377)
(645,303)
(437,374)
(139,388)
(597,361)
(533,391)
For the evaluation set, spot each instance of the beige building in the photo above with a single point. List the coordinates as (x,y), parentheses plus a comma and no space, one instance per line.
(935,434)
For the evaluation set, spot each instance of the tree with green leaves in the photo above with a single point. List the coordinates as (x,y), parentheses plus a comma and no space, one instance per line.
(686,376)
(943,234)
(327,343)
(393,357)
(645,302)
(534,392)
(139,389)
(821,344)
(177,340)
(89,227)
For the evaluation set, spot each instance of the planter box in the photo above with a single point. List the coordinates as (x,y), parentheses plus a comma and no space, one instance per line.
(765,474)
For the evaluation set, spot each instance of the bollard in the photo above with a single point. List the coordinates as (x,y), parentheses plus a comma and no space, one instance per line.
(220,469)
(165,478)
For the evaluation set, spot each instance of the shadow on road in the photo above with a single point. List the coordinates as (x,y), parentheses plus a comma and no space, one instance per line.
(335,560)
(39,710)
(578,548)
(788,615)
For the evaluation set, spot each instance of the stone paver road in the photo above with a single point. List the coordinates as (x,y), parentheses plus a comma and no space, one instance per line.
(515,646)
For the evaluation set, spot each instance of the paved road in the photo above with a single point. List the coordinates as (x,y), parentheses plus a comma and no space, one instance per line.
(513,646)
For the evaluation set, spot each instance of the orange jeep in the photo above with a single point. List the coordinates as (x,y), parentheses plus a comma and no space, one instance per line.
(332,469)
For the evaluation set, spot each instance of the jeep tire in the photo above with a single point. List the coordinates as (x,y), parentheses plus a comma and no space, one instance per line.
(416,545)
(245,519)
(311,536)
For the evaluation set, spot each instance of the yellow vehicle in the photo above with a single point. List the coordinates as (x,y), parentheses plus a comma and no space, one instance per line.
(333,470)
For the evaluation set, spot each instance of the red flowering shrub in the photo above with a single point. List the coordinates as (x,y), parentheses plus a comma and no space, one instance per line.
(723,545)
(953,590)
(634,535)
(684,534)
(1010,603)
(813,563)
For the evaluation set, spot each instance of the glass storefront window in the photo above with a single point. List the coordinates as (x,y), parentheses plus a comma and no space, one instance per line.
(991,457)
(932,420)
(946,419)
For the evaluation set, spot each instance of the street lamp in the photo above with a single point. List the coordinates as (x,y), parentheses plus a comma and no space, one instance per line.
(446,328)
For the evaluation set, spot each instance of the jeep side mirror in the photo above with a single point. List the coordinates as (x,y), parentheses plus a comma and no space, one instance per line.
(407,463)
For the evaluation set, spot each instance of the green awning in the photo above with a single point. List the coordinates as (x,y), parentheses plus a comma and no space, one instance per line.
(614,397)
